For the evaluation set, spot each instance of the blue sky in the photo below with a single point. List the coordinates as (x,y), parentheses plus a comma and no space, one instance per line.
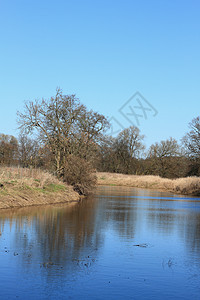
(104,52)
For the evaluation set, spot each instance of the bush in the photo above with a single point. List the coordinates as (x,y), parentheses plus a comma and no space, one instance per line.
(80,174)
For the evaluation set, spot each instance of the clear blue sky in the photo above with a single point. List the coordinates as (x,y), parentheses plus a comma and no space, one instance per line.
(103,51)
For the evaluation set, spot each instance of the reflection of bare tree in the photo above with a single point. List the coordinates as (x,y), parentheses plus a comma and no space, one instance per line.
(180,216)
(118,210)
(168,217)
(158,217)
(189,227)
(60,236)
(70,237)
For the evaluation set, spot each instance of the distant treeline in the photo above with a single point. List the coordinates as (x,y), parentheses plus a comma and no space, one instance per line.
(127,154)
(61,135)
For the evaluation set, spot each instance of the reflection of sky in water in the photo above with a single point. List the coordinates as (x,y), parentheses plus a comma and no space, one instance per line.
(162,203)
(123,243)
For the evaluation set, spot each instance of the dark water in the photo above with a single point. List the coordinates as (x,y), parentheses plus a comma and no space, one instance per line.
(121,244)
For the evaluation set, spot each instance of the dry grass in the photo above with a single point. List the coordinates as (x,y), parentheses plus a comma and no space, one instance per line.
(25,176)
(24,187)
(80,174)
(185,186)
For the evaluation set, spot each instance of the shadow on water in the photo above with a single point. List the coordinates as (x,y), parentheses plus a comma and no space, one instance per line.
(57,244)
(65,233)
(161,211)
(53,235)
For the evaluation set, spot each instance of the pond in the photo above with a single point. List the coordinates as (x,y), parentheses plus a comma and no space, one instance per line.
(121,243)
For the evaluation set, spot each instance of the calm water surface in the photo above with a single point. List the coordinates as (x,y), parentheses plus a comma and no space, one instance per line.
(122,243)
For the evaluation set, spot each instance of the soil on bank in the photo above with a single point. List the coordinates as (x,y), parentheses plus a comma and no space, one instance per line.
(25,187)
(184,186)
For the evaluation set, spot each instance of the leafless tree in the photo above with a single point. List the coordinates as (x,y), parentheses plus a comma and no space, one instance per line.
(8,150)
(164,158)
(191,142)
(132,139)
(121,154)
(64,125)
(28,152)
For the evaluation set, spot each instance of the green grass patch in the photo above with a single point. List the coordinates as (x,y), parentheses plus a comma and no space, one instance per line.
(3,192)
(40,190)
(37,180)
(22,188)
(27,187)
(52,187)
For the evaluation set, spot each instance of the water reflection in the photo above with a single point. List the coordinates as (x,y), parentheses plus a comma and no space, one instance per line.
(53,236)
(62,242)
(66,232)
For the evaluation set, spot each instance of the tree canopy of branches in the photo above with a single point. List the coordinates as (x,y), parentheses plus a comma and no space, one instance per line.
(192,139)
(28,152)
(165,159)
(121,154)
(64,125)
(191,142)
(129,146)
(8,150)
(70,140)
(132,140)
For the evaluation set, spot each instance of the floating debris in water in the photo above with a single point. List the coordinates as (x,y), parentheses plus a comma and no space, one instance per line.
(46,264)
(141,245)
(170,262)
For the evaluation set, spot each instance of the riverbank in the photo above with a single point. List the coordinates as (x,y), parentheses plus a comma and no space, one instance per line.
(20,187)
(184,186)
(27,187)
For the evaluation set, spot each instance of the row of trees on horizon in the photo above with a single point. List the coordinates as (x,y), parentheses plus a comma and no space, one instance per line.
(56,131)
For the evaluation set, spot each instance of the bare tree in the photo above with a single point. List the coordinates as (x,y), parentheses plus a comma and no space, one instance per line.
(8,150)
(163,158)
(64,125)
(191,142)
(28,152)
(132,139)
(121,154)
(129,146)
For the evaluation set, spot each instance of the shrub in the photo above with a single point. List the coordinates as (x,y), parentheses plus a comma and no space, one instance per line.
(80,174)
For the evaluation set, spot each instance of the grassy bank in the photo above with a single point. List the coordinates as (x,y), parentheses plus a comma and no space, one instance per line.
(184,186)
(25,187)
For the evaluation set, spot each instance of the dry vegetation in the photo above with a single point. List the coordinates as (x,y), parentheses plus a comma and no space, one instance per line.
(79,173)
(24,187)
(185,186)
(21,187)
